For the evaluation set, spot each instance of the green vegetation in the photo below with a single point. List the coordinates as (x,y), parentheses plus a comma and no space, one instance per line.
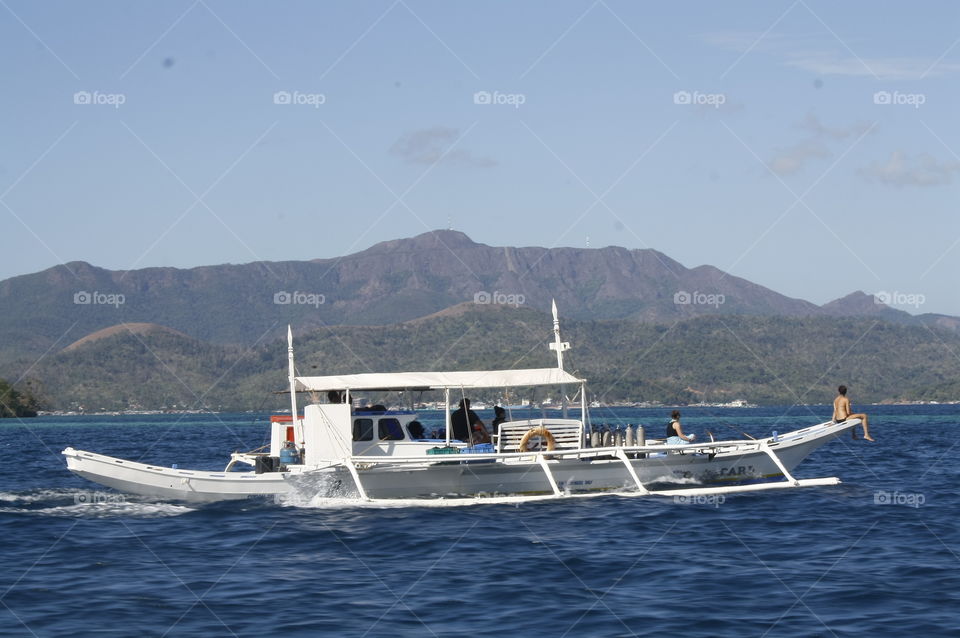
(392,282)
(764,360)
(14,403)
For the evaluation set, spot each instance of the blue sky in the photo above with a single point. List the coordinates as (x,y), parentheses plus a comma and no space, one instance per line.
(810,147)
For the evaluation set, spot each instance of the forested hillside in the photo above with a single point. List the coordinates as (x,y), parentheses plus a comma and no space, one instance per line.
(714,358)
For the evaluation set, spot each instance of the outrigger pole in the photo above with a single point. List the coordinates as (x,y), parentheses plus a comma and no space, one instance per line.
(297,425)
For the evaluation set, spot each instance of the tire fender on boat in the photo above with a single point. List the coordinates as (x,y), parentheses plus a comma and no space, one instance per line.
(540,431)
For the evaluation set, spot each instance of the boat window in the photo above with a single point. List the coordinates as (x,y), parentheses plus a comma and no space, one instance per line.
(363,429)
(390,430)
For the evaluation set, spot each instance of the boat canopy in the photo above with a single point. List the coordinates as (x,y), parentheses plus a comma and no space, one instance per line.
(439,380)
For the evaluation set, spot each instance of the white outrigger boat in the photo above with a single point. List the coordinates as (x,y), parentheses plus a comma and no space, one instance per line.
(335,450)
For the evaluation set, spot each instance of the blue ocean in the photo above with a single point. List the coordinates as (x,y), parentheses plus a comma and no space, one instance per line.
(878,555)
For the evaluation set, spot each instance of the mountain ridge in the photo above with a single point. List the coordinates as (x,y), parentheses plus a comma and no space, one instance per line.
(392,281)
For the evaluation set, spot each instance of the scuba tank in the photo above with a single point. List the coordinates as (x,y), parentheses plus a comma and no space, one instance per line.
(289,455)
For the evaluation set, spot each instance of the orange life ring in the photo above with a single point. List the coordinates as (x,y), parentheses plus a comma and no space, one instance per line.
(540,431)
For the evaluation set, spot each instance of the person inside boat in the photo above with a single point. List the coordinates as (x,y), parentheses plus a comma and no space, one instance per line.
(416,430)
(675,435)
(465,421)
(499,416)
(842,410)
(335,396)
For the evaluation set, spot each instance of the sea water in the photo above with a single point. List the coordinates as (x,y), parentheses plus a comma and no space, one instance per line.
(874,556)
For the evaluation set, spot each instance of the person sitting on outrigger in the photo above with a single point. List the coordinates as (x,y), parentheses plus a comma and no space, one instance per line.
(842,410)
(675,435)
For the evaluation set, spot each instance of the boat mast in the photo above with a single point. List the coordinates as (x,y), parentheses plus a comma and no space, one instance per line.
(557,344)
(297,426)
(560,346)
(446,415)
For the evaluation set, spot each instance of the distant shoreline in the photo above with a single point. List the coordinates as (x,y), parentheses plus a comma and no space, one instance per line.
(69,413)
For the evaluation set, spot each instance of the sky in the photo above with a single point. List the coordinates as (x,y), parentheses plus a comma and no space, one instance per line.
(810,147)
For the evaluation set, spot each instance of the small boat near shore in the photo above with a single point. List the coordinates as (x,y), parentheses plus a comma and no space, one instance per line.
(336,450)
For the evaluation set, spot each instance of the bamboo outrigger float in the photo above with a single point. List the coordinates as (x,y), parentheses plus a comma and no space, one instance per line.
(335,450)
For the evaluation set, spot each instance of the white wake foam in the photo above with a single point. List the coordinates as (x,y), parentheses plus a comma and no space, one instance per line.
(85,504)
(325,502)
(104,510)
(34,496)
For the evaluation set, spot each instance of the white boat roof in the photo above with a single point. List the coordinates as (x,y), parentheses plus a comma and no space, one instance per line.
(438,380)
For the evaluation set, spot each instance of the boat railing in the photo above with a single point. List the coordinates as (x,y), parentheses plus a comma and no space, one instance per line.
(634,451)
(567,434)
(705,448)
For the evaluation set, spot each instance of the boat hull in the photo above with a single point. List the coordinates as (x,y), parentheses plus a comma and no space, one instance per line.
(461,476)
(172,483)
(572,475)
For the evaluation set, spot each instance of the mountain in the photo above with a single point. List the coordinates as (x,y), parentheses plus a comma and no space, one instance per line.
(136,369)
(393,281)
(771,360)
(860,304)
(126,328)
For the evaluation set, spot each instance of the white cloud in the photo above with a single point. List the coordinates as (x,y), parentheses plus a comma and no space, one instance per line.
(822,54)
(882,68)
(812,124)
(901,170)
(792,159)
(432,145)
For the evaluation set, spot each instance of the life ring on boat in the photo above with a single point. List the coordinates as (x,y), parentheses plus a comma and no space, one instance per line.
(540,431)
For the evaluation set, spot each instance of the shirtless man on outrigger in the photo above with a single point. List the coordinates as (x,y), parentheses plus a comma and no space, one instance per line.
(841,412)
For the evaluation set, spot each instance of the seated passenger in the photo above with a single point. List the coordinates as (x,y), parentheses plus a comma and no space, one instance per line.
(675,435)
(467,426)
(416,430)
(499,416)
(842,410)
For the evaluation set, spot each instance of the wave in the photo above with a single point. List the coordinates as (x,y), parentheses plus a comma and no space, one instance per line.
(85,504)
(33,496)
